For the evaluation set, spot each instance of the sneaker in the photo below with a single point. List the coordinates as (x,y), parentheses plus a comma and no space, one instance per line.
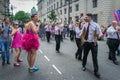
(97,74)
(83,68)
(34,69)
(8,62)
(3,63)
(19,60)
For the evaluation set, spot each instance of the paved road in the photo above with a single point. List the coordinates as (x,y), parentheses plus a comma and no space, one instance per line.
(61,66)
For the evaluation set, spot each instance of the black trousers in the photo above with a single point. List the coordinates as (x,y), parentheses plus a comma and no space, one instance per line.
(72,35)
(48,36)
(113,45)
(57,39)
(79,50)
(94,49)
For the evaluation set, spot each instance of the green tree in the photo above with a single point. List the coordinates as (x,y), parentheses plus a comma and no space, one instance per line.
(52,15)
(21,16)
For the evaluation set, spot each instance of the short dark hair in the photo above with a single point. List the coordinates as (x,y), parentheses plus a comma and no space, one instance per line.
(89,15)
(33,15)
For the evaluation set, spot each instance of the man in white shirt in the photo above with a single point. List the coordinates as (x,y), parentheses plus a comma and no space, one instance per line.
(92,30)
(71,28)
(57,36)
(48,33)
(113,41)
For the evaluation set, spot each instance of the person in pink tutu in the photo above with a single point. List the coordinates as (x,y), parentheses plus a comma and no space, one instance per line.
(30,42)
(16,43)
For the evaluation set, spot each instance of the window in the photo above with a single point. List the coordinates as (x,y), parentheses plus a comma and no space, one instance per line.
(77,18)
(70,1)
(61,3)
(65,21)
(70,19)
(77,7)
(65,11)
(61,12)
(95,17)
(54,6)
(57,4)
(70,9)
(65,2)
(94,3)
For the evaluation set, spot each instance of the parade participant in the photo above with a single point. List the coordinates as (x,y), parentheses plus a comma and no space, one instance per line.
(71,29)
(57,36)
(30,42)
(5,40)
(78,31)
(16,43)
(92,31)
(113,33)
(48,33)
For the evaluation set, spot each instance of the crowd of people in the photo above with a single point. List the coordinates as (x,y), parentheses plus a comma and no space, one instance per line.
(12,36)
(86,32)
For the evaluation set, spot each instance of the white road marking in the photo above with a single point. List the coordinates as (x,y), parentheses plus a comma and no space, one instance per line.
(41,51)
(56,69)
(47,58)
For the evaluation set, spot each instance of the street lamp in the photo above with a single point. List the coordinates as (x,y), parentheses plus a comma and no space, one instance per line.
(68,11)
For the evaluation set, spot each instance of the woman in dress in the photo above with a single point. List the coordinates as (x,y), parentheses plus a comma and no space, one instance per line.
(30,42)
(16,43)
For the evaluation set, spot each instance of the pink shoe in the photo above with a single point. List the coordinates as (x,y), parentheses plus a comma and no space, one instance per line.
(16,64)
(19,60)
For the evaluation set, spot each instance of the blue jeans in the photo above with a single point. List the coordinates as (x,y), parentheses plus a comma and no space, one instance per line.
(5,50)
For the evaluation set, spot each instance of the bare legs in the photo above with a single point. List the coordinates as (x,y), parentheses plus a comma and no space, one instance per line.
(17,56)
(31,58)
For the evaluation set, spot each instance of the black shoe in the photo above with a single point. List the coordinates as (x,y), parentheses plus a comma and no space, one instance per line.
(118,54)
(57,51)
(115,62)
(110,58)
(79,59)
(75,56)
(8,62)
(97,74)
(84,68)
(3,63)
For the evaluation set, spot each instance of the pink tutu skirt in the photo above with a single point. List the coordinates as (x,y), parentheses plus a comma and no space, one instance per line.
(30,41)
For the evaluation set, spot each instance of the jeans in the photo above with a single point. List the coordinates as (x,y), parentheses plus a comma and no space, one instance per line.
(5,51)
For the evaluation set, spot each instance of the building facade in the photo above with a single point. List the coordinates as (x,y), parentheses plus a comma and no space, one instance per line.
(70,10)
(4,8)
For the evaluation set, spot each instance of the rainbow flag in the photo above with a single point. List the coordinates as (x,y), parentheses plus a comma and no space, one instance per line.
(117,15)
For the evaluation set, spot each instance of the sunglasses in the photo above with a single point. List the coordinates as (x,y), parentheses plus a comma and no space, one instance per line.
(15,24)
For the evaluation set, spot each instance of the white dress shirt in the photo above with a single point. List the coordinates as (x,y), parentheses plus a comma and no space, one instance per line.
(70,27)
(78,32)
(47,28)
(94,27)
(57,29)
(111,33)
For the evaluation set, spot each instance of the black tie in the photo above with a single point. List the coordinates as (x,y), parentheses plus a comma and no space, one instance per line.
(87,32)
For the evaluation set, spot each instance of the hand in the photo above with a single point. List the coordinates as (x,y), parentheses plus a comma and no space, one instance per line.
(2,29)
(116,31)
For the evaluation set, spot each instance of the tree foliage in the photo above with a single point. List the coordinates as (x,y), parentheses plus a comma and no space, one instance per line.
(21,16)
(52,15)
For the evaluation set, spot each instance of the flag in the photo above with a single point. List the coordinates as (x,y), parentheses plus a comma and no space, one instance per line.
(117,15)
